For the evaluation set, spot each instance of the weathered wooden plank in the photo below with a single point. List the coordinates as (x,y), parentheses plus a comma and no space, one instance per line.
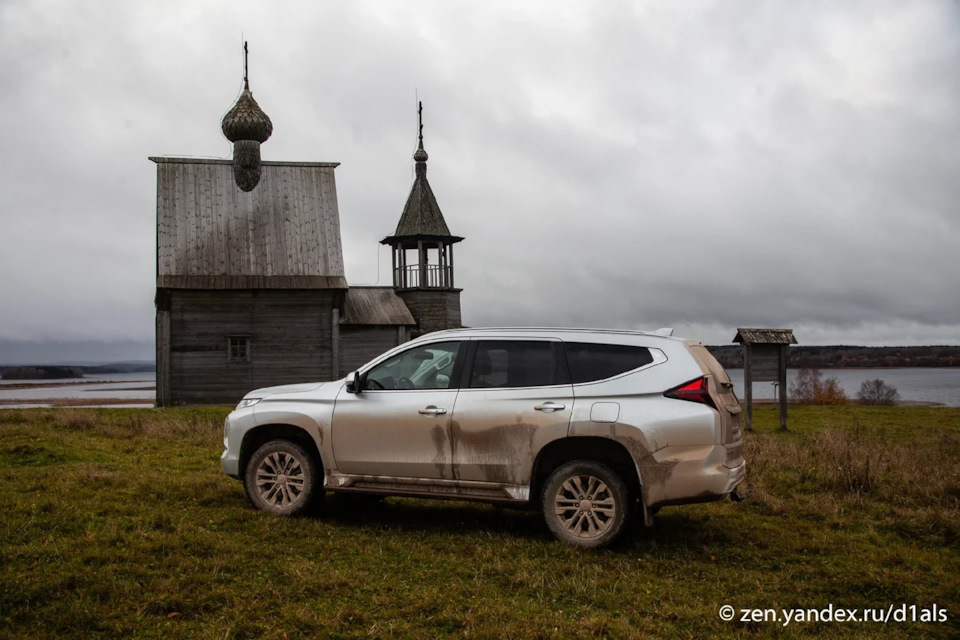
(290,333)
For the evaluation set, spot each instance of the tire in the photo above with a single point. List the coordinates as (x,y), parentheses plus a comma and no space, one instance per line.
(586,504)
(281,478)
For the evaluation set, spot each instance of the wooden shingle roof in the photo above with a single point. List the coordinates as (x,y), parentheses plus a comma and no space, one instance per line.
(765,336)
(421,214)
(212,235)
(375,305)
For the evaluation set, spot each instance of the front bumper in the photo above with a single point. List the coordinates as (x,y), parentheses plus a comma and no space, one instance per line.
(234,428)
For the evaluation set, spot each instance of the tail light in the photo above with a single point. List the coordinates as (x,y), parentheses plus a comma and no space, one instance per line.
(694,391)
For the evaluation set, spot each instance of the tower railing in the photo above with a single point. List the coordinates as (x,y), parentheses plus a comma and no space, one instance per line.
(436,276)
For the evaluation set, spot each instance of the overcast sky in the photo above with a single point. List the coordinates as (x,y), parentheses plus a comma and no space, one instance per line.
(701,165)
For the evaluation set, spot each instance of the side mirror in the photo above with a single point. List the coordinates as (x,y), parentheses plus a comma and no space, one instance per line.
(353,382)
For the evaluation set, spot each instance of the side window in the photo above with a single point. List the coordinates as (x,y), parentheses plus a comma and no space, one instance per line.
(590,362)
(426,367)
(238,349)
(517,363)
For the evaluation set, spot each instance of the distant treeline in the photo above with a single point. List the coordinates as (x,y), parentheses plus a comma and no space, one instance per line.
(826,357)
(40,373)
(50,372)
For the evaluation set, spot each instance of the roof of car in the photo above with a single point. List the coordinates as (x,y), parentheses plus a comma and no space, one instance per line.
(660,333)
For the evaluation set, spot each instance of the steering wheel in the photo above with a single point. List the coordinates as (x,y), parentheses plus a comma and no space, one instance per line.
(371,382)
(405,383)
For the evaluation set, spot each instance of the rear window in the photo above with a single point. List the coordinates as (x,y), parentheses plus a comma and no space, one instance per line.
(589,362)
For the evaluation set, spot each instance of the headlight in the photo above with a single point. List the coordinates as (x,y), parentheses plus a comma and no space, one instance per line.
(247,402)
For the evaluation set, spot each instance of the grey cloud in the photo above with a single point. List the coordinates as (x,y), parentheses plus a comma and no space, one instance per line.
(629,164)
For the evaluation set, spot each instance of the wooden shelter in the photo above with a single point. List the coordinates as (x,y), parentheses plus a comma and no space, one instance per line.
(765,360)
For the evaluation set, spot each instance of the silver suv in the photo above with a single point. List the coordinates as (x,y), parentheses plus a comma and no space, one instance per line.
(586,425)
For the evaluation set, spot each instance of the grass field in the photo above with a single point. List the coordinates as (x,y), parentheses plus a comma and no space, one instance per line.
(118,523)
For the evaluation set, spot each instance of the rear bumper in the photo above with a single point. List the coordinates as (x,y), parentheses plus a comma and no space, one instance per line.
(684,475)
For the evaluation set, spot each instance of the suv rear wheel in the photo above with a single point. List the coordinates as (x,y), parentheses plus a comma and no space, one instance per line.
(585,503)
(281,478)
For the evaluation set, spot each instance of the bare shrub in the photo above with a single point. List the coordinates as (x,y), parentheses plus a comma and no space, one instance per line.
(830,392)
(809,388)
(877,391)
(803,387)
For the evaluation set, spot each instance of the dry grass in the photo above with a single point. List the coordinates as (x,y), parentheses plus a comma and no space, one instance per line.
(118,523)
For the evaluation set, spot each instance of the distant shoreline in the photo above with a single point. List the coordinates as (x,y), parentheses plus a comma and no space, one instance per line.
(45,385)
(770,402)
(844,357)
(65,372)
(64,403)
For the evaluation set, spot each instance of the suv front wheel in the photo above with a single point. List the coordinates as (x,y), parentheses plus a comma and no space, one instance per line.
(585,503)
(281,478)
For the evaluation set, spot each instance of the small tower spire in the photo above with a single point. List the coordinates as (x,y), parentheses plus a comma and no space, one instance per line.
(420,156)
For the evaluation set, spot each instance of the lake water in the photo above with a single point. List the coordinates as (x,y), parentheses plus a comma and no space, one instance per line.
(137,388)
(941,386)
(917,384)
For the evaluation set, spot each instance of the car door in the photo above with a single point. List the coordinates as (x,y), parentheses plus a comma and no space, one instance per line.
(397,424)
(516,397)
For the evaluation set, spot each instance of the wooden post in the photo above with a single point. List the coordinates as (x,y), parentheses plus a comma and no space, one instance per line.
(163,353)
(748,385)
(422,267)
(393,270)
(450,249)
(444,269)
(783,387)
(335,344)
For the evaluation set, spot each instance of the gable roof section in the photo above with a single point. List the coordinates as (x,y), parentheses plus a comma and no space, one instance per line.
(375,305)
(211,235)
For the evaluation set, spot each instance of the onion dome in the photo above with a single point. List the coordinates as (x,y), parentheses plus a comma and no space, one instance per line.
(420,155)
(246,120)
(246,126)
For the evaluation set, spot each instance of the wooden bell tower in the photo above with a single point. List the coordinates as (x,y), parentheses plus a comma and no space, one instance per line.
(423,254)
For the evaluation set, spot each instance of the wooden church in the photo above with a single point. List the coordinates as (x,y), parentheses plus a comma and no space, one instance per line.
(251,289)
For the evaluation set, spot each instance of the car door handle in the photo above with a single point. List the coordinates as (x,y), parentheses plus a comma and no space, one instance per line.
(432,411)
(549,406)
